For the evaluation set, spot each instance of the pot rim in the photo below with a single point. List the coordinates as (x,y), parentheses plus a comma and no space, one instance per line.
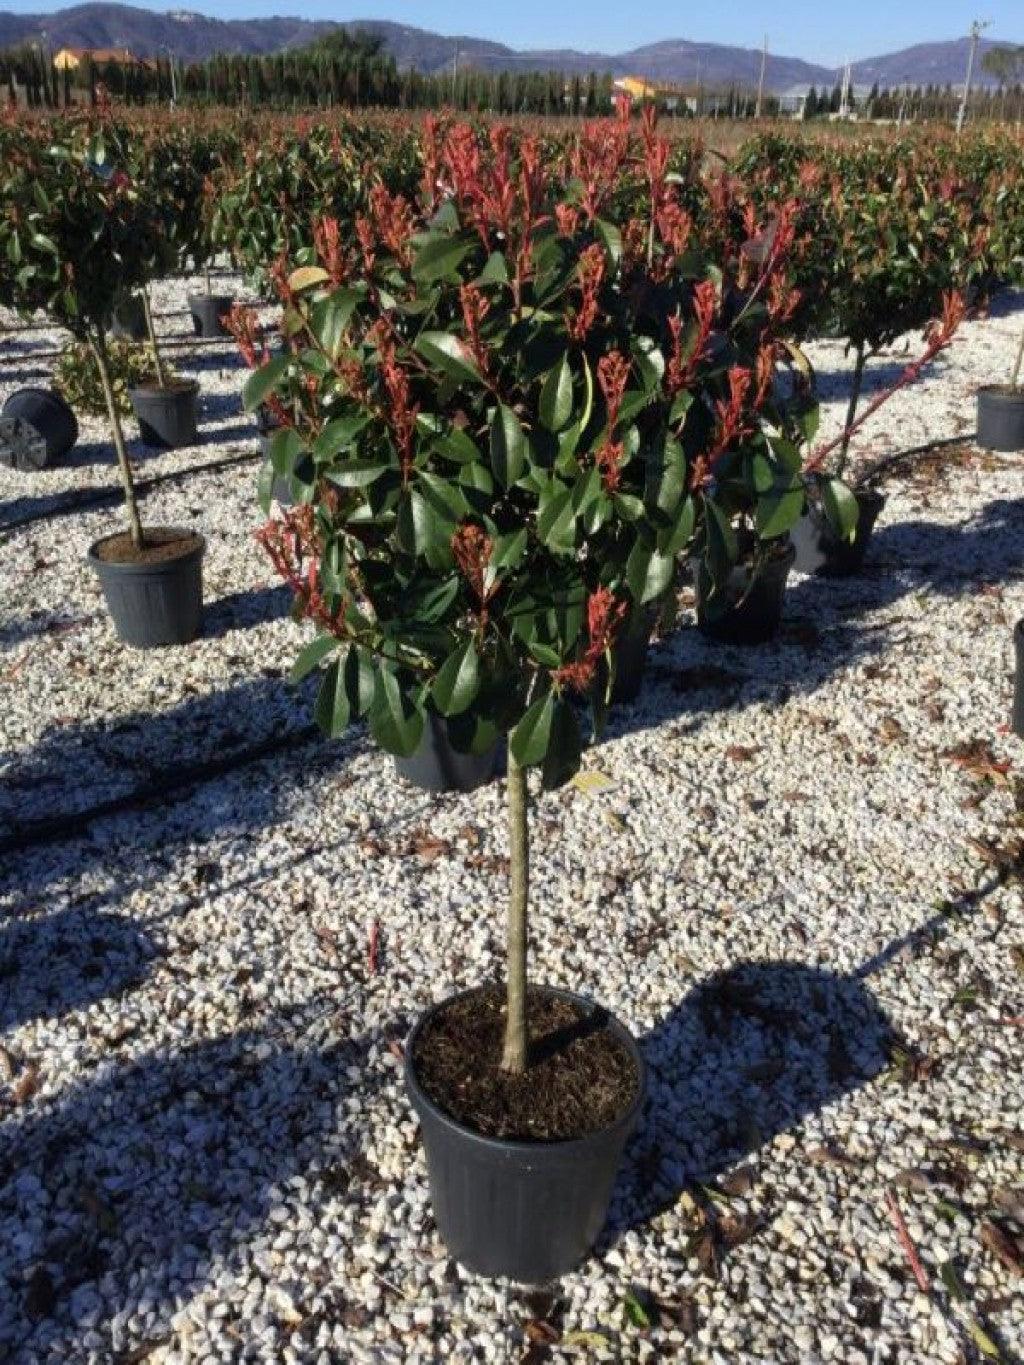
(37,389)
(178,389)
(562,1146)
(1002,393)
(1018,631)
(204,298)
(113,566)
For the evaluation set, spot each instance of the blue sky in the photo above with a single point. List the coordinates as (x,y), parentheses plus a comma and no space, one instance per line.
(818,30)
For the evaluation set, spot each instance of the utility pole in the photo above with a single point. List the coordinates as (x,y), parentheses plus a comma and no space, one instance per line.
(977,29)
(760,83)
(174,81)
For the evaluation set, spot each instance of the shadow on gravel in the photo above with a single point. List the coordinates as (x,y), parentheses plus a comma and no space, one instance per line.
(747,1055)
(67,961)
(239,610)
(823,632)
(147,1179)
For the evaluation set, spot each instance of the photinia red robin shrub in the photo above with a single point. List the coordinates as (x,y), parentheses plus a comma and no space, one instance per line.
(508,416)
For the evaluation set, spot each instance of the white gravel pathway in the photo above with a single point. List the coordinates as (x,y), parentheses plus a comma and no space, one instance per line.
(798,891)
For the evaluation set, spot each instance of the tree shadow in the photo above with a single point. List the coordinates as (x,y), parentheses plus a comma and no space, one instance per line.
(193,763)
(826,627)
(240,610)
(146,1181)
(42,622)
(748,1054)
(68,960)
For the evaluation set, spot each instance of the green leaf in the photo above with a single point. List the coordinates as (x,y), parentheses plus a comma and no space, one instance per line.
(648,570)
(339,434)
(556,522)
(565,746)
(449,355)
(458,680)
(396,722)
(508,550)
(635,1311)
(529,740)
(779,512)
(495,271)
(508,446)
(611,237)
(356,473)
(331,710)
(441,254)
(263,381)
(841,508)
(329,319)
(311,656)
(556,396)
(360,680)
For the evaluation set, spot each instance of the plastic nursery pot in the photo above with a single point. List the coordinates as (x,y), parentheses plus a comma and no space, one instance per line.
(207,311)
(437,766)
(749,611)
(1017,719)
(167,416)
(820,551)
(155,596)
(529,1211)
(48,415)
(1001,418)
(631,649)
(128,320)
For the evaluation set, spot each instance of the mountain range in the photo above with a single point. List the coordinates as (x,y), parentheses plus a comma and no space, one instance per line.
(191,37)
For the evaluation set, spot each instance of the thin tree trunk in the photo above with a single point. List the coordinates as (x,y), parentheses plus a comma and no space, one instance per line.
(851,412)
(98,346)
(514,1055)
(161,377)
(209,286)
(1018,368)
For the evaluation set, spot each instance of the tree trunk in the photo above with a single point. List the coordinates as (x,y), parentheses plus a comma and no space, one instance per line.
(851,412)
(161,377)
(514,1055)
(98,346)
(1018,368)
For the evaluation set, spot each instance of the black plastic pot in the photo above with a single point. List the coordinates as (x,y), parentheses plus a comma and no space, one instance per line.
(207,311)
(128,320)
(48,414)
(157,603)
(820,551)
(167,417)
(1001,418)
(1017,720)
(437,766)
(751,612)
(631,654)
(529,1211)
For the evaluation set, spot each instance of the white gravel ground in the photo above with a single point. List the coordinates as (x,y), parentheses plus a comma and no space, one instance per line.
(806,905)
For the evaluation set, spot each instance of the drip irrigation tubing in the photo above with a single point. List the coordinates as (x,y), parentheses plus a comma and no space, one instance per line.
(78,500)
(166,782)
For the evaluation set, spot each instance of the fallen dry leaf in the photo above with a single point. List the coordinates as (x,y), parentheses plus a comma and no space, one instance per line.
(1003,1246)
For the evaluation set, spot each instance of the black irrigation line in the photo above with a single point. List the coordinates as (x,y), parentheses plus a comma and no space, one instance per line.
(163,784)
(888,461)
(80,499)
(168,343)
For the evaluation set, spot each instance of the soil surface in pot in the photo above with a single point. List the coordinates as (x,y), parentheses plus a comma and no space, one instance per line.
(162,544)
(579,1079)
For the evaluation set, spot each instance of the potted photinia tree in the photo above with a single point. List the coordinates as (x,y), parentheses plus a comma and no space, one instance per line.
(210,310)
(897,246)
(510,429)
(820,549)
(80,231)
(165,406)
(1001,410)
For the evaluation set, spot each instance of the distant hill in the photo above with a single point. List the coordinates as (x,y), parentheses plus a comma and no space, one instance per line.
(192,36)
